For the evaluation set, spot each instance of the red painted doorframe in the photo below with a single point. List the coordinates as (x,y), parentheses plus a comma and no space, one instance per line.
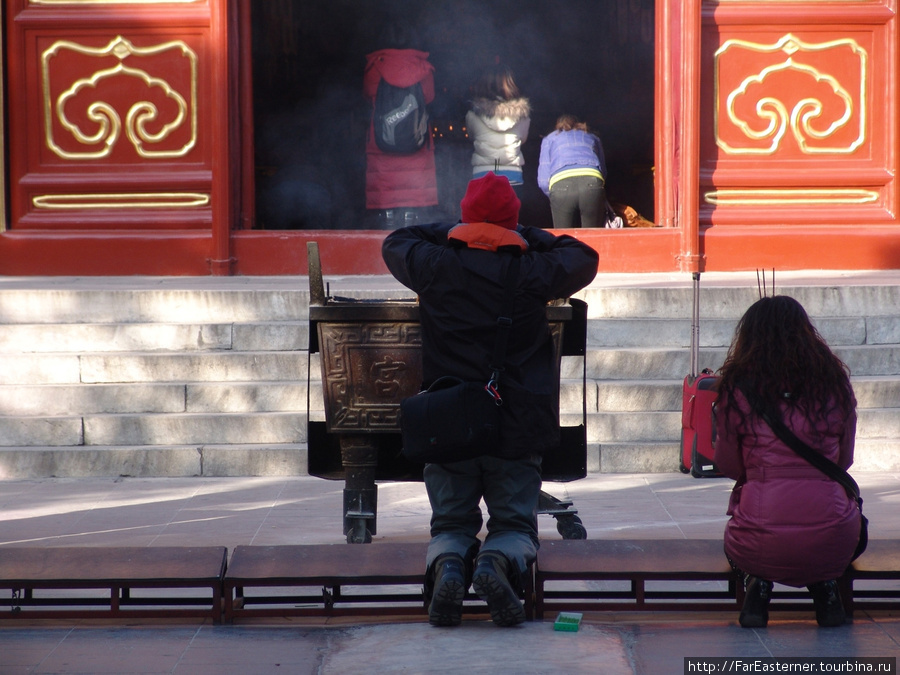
(359,252)
(118,146)
(687,187)
(692,237)
(695,234)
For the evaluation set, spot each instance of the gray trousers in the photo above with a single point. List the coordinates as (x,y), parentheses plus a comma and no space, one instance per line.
(579,201)
(510,489)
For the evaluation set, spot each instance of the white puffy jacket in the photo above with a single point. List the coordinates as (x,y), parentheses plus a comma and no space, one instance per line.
(498,129)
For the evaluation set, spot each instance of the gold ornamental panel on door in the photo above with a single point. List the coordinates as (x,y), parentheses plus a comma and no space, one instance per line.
(125,101)
(792,97)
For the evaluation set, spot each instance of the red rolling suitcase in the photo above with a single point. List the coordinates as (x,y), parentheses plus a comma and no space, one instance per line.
(698,395)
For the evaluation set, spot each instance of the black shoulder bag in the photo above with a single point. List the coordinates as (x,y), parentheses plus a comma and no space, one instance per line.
(455,420)
(819,461)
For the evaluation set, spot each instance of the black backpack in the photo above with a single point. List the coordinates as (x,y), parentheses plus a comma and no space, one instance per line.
(400,118)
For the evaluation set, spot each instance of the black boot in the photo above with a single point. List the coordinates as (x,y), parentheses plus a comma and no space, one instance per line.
(446,604)
(827,601)
(755,612)
(491,581)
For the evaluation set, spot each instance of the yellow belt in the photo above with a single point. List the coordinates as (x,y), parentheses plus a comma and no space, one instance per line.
(571,173)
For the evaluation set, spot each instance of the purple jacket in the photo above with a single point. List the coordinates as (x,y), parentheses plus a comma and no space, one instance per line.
(573,149)
(789,522)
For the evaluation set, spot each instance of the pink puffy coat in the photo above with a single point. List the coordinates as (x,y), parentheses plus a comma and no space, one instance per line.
(789,522)
(395,181)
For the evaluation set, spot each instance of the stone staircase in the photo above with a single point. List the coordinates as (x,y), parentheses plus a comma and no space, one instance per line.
(208,376)
(639,353)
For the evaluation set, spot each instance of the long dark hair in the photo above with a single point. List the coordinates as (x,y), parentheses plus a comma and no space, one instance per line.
(778,355)
(497,83)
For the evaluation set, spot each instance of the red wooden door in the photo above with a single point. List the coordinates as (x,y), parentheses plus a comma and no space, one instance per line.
(118,135)
(798,141)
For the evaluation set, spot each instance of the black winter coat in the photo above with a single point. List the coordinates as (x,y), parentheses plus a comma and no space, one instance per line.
(461,293)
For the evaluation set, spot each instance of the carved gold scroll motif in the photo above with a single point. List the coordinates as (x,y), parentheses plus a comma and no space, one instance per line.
(91,97)
(790,98)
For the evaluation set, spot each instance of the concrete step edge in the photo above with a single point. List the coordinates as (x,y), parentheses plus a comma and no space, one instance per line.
(176,461)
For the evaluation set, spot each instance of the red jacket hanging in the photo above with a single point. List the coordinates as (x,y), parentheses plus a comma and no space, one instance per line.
(393,180)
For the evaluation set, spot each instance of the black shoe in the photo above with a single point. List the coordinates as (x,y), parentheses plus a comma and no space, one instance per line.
(827,601)
(755,612)
(446,604)
(491,582)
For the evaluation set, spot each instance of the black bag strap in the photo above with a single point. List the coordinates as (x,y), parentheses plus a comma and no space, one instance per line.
(817,459)
(504,324)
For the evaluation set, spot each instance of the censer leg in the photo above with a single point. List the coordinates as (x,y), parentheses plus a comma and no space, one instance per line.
(359,457)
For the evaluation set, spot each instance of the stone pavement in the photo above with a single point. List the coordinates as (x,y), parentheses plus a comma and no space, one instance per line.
(278,510)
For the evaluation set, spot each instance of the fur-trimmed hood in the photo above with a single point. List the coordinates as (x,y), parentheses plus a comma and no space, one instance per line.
(514,109)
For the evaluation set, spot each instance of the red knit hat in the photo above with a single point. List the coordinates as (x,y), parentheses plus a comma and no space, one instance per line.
(490,199)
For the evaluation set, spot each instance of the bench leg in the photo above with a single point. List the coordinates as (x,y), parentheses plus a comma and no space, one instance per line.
(845,586)
(229,599)
(538,597)
(529,593)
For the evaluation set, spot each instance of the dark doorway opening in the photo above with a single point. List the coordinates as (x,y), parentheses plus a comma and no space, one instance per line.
(590,58)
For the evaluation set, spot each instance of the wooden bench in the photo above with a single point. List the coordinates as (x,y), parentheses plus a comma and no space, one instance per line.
(64,582)
(386,579)
(332,580)
(687,575)
(863,586)
(634,574)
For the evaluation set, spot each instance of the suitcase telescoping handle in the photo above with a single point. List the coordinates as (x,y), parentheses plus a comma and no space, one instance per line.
(695,327)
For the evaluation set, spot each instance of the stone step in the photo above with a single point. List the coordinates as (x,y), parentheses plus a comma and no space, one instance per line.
(657,333)
(661,457)
(153,337)
(665,426)
(129,367)
(871,360)
(177,300)
(634,457)
(878,424)
(877,429)
(625,396)
(290,427)
(96,368)
(293,335)
(616,396)
(261,299)
(151,397)
(640,364)
(730,302)
(169,461)
(672,364)
(26,400)
(877,391)
(606,396)
(184,305)
(35,462)
(206,376)
(141,429)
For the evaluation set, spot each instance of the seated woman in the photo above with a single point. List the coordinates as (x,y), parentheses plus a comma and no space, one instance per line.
(572,172)
(790,523)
